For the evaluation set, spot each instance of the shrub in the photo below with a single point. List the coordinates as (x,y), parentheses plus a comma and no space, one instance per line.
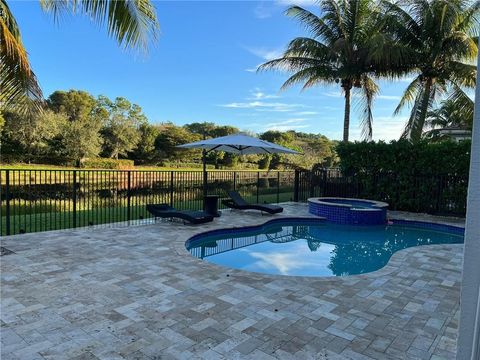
(420,177)
(106,163)
(185,165)
(403,158)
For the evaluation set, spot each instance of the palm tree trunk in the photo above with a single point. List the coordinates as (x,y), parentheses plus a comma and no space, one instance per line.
(417,129)
(346,119)
(468,344)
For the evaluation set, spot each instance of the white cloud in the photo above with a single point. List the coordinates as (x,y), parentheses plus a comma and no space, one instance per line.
(388,97)
(297,2)
(306,113)
(332,108)
(258,94)
(261,11)
(357,95)
(385,128)
(264,53)
(333,94)
(252,70)
(284,263)
(281,125)
(263,106)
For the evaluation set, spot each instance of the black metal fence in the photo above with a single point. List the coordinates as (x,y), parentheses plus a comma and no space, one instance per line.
(40,200)
(441,195)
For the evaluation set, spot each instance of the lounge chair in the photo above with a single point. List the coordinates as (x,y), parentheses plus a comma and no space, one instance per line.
(237,202)
(166,211)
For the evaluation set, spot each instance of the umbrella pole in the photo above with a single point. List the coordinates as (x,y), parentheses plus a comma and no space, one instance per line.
(204,160)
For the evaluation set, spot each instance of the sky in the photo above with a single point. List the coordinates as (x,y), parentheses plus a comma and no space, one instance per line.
(202,68)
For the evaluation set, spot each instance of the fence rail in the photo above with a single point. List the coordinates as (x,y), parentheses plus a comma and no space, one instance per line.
(39,200)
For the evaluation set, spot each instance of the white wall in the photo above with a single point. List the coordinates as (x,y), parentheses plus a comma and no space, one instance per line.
(468,345)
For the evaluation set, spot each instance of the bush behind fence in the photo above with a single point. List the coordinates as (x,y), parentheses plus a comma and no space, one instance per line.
(39,200)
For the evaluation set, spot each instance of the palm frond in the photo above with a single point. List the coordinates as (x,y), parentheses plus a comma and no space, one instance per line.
(19,87)
(460,73)
(463,105)
(132,23)
(423,103)
(308,47)
(309,77)
(314,24)
(409,95)
(369,89)
(293,63)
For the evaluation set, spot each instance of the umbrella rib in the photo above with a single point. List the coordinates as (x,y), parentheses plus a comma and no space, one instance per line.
(214,148)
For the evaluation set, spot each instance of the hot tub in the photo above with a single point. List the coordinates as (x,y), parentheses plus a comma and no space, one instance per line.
(349,211)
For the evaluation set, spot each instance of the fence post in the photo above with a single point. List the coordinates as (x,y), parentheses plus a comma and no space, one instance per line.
(258,185)
(74,198)
(234,181)
(7,200)
(171,188)
(278,187)
(296,185)
(129,187)
(325,180)
(312,185)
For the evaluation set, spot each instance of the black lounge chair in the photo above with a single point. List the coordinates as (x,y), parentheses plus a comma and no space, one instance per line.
(166,211)
(237,202)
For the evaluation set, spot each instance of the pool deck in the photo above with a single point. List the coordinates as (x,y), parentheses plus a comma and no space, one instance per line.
(136,293)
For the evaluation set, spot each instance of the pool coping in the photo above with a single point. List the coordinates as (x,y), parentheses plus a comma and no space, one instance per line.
(378,205)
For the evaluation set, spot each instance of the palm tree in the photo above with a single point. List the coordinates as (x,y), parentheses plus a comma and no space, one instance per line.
(346,47)
(132,23)
(440,47)
(450,114)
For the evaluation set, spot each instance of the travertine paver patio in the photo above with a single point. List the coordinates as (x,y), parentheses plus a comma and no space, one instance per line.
(136,293)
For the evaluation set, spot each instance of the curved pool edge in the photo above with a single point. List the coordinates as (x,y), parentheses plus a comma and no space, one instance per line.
(390,266)
(375,203)
(349,210)
(255,227)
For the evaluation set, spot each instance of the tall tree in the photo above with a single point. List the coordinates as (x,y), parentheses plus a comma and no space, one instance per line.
(145,151)
(121,131)
(346,47)
(132,23)
(170,137)
(439,38)
(450,114)
(27,137)
(79,137)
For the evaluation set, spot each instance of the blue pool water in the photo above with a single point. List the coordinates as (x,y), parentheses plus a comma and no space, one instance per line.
(303,247)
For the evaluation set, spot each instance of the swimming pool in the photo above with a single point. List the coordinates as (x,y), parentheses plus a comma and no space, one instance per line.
(310,247)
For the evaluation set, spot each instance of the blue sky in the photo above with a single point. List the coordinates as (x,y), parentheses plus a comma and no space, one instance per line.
(201,69)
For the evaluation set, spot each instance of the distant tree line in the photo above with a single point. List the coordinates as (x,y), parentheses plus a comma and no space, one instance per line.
(76,126)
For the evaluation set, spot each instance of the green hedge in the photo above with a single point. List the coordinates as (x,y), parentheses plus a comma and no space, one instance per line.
(403,158)
(423,177)
(106,163)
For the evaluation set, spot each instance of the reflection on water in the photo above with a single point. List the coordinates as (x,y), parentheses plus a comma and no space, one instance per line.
(314,249)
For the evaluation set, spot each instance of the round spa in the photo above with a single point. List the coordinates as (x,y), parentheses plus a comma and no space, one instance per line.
(349,211)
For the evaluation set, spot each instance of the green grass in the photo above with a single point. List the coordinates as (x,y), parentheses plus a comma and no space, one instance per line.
(22,166)
(43,219)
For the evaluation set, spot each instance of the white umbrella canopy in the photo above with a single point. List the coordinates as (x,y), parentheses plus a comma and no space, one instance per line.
(239,144)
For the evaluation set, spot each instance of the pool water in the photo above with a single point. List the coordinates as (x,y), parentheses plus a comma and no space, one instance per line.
(316,248)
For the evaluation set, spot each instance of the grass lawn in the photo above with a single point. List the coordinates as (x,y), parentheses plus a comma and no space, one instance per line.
(44,221)
(22,166)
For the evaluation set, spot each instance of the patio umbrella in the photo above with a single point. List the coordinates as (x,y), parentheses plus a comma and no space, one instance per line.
(239,144)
